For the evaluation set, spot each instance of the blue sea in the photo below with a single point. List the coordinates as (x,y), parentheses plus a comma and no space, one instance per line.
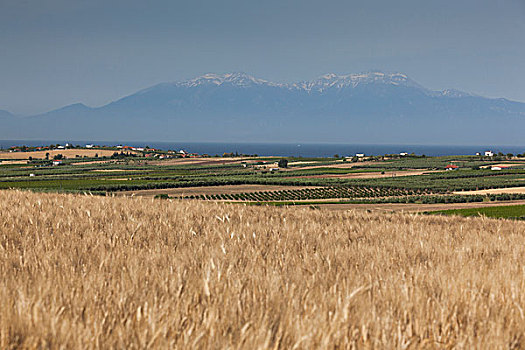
(286,149)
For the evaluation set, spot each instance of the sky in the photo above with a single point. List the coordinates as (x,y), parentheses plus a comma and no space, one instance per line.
(58,52)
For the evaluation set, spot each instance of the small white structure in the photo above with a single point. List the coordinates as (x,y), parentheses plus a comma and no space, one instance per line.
(61,147)
(359,155)
(89,146)
(489,154)
(57,162)
(478,154)
(403,154)
(31,175)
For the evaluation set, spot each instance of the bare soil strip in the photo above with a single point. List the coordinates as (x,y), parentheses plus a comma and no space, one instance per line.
(494,191)
(11,162)
(198,161)
(501,165)
(368,175)
(95,162)
(338,165)
(114,170)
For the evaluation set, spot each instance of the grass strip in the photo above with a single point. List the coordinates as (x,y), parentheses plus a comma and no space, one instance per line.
(500,212)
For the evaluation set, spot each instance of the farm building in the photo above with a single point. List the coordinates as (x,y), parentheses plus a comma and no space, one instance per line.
(451,167)
(489,154)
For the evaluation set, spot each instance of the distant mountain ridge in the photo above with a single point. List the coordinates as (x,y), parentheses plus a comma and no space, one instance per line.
(330,80)
(372,107)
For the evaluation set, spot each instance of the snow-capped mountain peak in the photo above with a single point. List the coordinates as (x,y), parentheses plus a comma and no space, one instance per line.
(238,79)
(322,84)
(455,93)
(332,80)
(329,80)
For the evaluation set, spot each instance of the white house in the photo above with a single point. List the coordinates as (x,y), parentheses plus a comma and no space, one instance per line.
(489,154)
(403,154)
(57,162)
(359,155)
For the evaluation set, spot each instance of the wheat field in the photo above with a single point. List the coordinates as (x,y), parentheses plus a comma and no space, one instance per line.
(83,272)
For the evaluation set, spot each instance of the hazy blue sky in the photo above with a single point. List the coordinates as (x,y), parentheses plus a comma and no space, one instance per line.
(58,52)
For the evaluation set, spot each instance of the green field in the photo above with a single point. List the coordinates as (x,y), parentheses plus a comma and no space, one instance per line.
(501,212)
(123,172)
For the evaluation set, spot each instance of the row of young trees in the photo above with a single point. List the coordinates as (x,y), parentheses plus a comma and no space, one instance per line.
(313,193)
(422,199)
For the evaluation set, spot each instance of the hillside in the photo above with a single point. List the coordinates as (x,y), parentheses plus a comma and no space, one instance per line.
(372,107)
(142,273)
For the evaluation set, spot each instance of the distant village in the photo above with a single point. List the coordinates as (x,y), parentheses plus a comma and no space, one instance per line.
(124,151)
(56,154)
(148,152)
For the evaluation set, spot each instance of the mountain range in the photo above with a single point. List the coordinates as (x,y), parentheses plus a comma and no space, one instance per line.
(372,107)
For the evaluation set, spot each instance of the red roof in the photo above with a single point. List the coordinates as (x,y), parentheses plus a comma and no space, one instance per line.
(451,166)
